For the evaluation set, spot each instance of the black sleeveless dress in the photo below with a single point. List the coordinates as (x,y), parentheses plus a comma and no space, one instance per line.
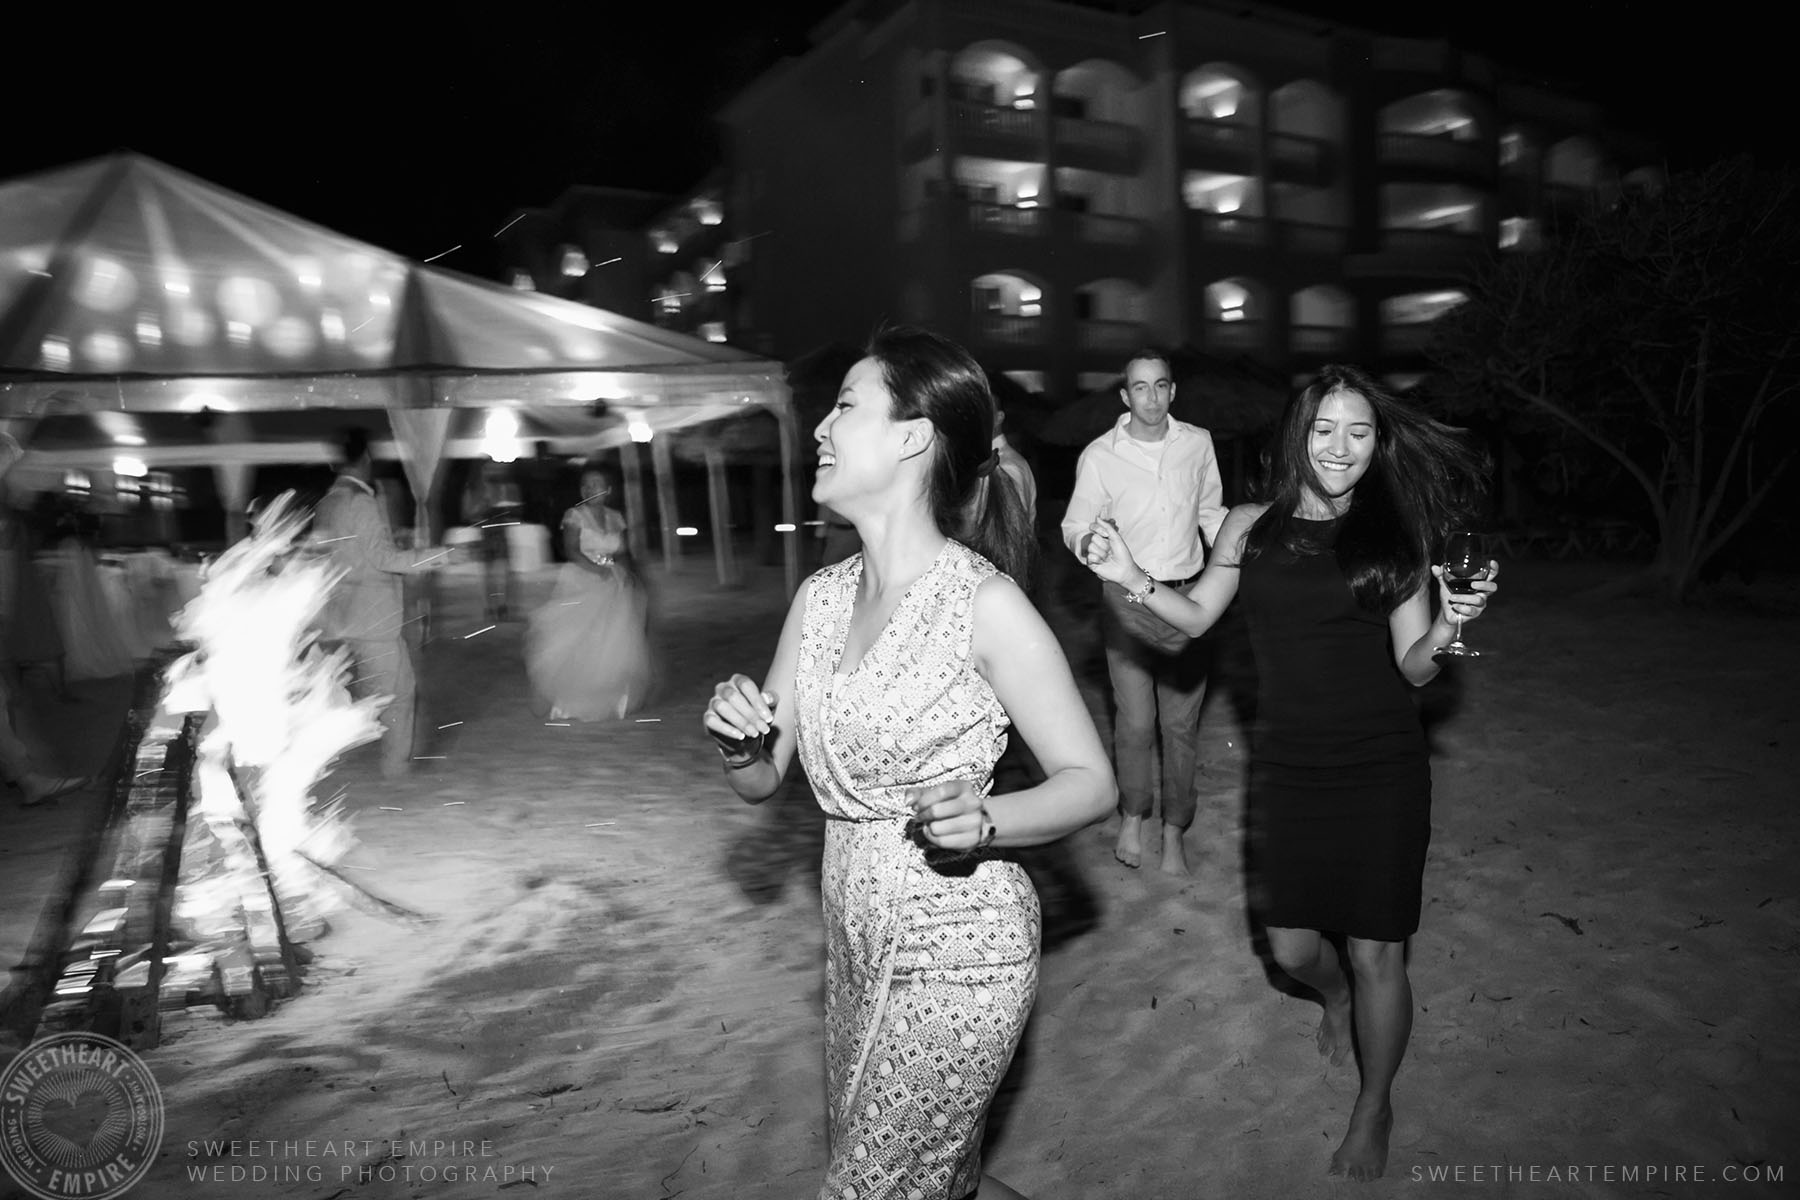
(1339,811)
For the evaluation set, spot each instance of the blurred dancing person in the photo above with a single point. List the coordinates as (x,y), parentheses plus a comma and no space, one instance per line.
(490,502)
(27,634)
(587,650)
(896,676)
(1334,572)
(30,638)
(367,606)
(1159,479)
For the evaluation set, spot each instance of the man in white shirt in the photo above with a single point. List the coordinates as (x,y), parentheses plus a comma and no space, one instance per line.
(1157,479)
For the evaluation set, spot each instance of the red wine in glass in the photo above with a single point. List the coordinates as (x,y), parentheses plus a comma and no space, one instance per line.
(1463,565)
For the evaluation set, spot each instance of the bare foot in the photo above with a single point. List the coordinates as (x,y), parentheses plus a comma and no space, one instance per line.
(1130,849)
(1174,855)
(1362,1155)
(1335,1029)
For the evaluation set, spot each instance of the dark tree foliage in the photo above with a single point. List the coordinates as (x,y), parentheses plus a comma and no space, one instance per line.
(1661,328)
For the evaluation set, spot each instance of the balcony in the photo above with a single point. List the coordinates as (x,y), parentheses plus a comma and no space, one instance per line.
(1405,339)
(1099,145)
(986,217)
(1231,229)
(1319,339)
(1298,156)
(1248,335)
(1221,142)
(1104,229)
(1303,237)
(1010,329)
(1097,333)
(1445,246)
(1436,152)
(1009,132)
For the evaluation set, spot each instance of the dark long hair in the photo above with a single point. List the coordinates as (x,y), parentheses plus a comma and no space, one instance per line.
(1424,480)
(932,377)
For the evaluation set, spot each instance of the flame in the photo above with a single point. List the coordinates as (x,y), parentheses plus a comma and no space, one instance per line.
(280,715)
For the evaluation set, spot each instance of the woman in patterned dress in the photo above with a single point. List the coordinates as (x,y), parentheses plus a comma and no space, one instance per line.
(897,674)
(1334,574)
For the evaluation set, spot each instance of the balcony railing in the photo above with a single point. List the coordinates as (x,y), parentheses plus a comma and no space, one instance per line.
(1304,237)
(1236,139)
(1004,218)
(1248,334)
(1104,137)
(1233,228)
(1319,339)
(969,116)
(1010,328)
(1309,155)
(1096,333)
(1436,150)
(1108,230)
(1435,245)
(1405,339)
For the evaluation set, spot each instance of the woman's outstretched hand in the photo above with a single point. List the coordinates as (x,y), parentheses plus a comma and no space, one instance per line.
(1466,606)
(739,715)
(948,815)
(1109,557)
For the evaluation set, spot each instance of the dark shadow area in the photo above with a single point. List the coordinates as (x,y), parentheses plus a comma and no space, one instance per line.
(787,843)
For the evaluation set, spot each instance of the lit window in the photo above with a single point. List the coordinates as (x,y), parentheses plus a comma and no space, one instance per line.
(1512,148)
(714,277)
(1518,233)
(1417,308)
(574,262)
(664,241)
(707,211)
(521,281)
(713,331)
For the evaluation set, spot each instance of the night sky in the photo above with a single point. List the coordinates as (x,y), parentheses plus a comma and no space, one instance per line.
(429,135)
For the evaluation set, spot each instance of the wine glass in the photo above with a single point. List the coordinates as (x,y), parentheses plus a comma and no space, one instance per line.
(1463,564)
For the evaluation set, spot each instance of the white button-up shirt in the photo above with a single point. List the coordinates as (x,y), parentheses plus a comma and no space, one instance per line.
(1161,501)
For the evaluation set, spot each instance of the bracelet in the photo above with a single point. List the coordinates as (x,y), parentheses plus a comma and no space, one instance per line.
(989,830)
(1143,593)
(749,751)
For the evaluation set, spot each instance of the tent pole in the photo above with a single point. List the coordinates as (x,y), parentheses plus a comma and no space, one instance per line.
(632,472)
(718,500)
(790,507)
(662,465)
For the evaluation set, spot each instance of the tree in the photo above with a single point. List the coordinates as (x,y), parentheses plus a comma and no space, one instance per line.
(1661,328)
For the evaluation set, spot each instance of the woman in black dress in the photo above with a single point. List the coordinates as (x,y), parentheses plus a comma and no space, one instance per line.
(1335,571)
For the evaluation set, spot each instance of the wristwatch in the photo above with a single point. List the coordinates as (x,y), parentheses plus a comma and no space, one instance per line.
(747,752)
(1143,593)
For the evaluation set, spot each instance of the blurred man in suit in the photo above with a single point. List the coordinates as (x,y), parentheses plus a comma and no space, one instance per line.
(366,611)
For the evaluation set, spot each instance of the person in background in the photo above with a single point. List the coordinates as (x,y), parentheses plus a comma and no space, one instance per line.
(1333,569)
(30,639)
(587,650)
(491,503)
(366,611)
(895,678)
(1158,479)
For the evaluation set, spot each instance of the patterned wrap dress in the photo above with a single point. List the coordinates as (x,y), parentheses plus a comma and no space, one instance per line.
(930,971)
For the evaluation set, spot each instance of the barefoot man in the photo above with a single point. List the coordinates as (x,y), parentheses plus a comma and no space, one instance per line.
(1157,480)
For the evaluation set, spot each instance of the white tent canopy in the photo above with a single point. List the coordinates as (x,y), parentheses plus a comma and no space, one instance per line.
(131,291)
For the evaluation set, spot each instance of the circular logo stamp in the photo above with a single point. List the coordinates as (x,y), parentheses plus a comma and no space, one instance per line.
(80,1115)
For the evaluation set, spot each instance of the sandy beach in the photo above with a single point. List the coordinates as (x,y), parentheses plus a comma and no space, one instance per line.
(614,986)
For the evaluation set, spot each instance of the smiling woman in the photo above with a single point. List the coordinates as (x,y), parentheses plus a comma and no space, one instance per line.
(897,676)
(1333,572)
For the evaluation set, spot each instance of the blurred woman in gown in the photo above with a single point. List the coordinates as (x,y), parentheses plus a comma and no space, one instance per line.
(587,650)
(95,646)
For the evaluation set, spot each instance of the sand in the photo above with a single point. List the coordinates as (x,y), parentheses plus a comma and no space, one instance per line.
(615,989)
